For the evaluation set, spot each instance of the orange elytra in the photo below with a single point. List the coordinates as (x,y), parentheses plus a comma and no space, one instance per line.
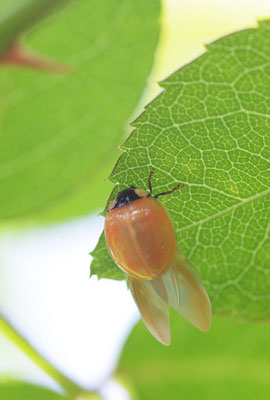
(141,240)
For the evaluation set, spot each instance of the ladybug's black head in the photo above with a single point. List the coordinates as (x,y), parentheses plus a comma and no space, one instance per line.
(129,195)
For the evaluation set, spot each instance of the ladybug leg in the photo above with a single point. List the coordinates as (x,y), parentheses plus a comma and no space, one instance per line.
(170,191)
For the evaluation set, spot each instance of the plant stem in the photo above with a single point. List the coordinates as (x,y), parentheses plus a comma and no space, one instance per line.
(71,387)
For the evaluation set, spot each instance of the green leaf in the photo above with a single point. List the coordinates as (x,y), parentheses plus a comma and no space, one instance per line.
(209,129)
(225,363)
(27,391)
(58,132)
(21,16)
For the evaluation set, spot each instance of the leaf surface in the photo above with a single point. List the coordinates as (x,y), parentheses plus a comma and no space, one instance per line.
(16,18)
(27,391)
(57,132)
(224,363)
(209,129)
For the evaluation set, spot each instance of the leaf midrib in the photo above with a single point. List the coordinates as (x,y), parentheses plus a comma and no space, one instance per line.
(225,211)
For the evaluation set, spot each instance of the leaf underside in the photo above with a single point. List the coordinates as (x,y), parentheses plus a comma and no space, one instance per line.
(209,129)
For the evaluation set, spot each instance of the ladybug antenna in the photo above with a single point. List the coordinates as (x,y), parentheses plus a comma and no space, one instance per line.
(170,191)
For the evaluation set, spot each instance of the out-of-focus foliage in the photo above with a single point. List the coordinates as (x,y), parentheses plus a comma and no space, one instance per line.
(27,391)
(209,129)
(229,362)
(16,17)
(57,132)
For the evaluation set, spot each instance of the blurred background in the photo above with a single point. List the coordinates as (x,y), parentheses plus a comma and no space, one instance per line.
(82,324)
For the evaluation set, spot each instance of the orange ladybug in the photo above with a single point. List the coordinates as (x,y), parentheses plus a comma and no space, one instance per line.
(141,240)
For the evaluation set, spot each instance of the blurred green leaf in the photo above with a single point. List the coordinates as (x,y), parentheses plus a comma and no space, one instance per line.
(229,362)
(27,391)
(17,17)
(57,132)
(209,129)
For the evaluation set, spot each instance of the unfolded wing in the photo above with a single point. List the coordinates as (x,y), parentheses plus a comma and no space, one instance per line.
(181,288)
(154,310)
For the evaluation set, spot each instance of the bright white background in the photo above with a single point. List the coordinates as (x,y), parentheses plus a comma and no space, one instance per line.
(79,323)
